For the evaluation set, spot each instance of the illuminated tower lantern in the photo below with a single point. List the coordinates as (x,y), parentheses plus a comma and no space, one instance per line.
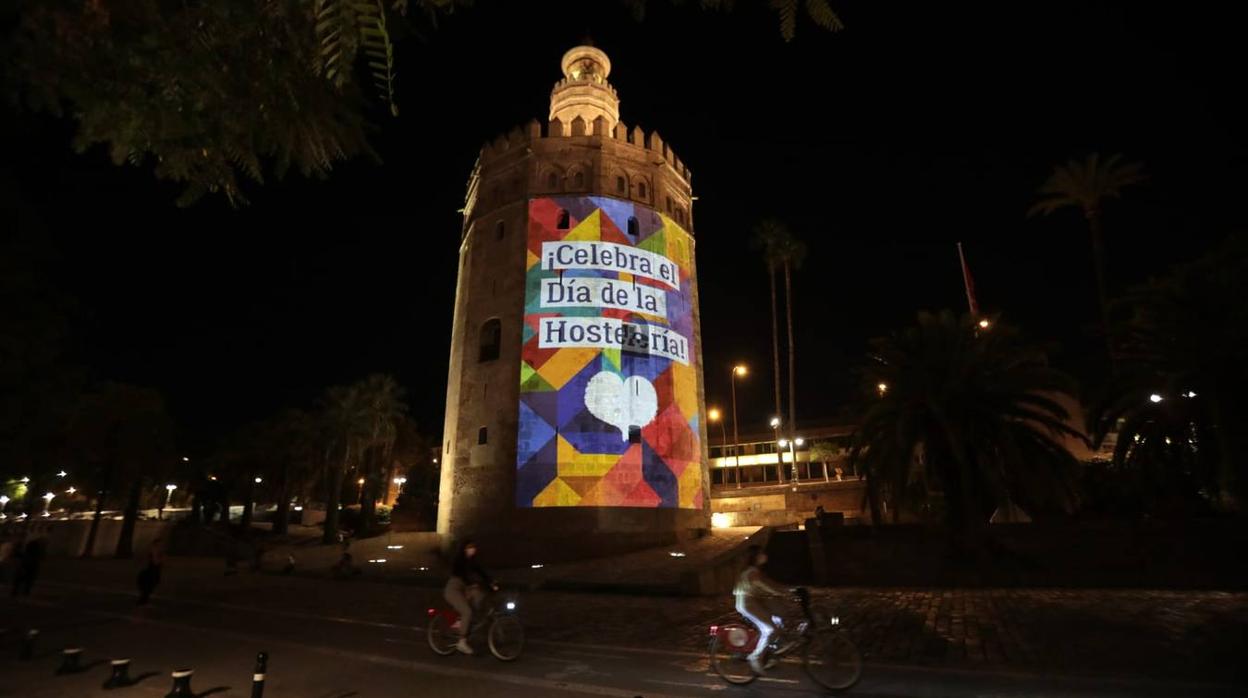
(574,403)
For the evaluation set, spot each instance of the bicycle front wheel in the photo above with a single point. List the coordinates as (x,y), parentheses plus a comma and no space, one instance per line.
(732,665)
(506,638)
(832,660)
(441,638)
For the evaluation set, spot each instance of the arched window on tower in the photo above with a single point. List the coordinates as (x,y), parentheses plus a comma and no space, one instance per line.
(491,340)
(633,228)
(552,181)
(483,436)
(500,229)
(621,186)
(669,204)
(564,219)
(641,190)
(578,181)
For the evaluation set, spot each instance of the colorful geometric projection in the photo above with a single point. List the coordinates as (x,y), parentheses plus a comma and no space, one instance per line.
(608,375)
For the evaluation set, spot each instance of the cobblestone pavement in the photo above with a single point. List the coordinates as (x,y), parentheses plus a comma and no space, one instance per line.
(1181,635)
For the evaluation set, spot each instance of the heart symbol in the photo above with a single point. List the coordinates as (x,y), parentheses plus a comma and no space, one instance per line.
(620,402)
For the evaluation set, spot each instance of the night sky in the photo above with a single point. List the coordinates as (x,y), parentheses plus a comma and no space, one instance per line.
(919,126)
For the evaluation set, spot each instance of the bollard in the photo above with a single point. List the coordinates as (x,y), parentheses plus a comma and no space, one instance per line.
(120,678)
(69,661)
(181,684)
(257,677)
(28,644)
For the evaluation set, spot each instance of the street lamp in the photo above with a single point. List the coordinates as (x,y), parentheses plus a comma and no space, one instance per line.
(25,481)
(359,495)
(47,504)
(4,502)
(71,490)
(168,496)
(62,474)
(1154,398)
(985,323)
(792,446)
(399,481)
(259,480)
(881,388)
(714,415)
(738,370)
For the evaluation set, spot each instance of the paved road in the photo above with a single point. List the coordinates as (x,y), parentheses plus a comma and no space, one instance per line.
(218,629)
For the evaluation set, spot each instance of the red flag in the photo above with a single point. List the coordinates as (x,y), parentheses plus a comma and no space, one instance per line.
(968,283)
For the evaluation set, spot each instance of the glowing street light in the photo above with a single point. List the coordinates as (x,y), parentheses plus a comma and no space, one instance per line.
(168,496)
(399,481)
(259,479)
(71,490)
(47,504)
(185,459)
(985,323)
(775,422)
(4,502)
(713,414)
(738,370)
(25,481)
(62,474)
(1154,398)
(881,388)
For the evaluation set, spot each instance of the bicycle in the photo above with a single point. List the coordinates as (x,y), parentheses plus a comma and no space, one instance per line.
(829,656)
(504,633)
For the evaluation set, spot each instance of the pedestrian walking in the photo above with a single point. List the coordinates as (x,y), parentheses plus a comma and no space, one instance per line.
(30,559)
(149,576)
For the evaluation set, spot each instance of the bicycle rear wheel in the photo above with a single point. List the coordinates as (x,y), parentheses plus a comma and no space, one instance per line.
(506,638)
(732,665)
(832,660)
(441,638)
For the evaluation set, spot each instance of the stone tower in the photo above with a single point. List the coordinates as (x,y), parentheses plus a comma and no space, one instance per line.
(574,403)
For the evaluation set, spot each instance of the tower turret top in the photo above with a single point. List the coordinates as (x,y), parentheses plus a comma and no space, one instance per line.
(584,91)
(586,63)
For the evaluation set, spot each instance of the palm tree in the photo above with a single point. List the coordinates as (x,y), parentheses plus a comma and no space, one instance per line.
(793,253)
(340,414)
(770,236)
(972,412)
(381,399)
(1180,398)
(781,249)
(1087,186)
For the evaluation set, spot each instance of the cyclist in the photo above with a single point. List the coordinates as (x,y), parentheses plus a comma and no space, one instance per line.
(464,589)
(753,591)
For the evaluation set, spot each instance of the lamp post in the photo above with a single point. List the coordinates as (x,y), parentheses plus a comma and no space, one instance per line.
(792,446)
(47,504)
(775,430)
(168,496)
(738,370)
(399,481)
(359,494)
(714,415)
(4,502)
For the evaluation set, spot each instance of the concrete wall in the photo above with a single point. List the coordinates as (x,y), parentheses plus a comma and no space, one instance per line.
(787,505)
(69,538)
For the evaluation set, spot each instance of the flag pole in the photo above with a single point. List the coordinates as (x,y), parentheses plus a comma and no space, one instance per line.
(968,284)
